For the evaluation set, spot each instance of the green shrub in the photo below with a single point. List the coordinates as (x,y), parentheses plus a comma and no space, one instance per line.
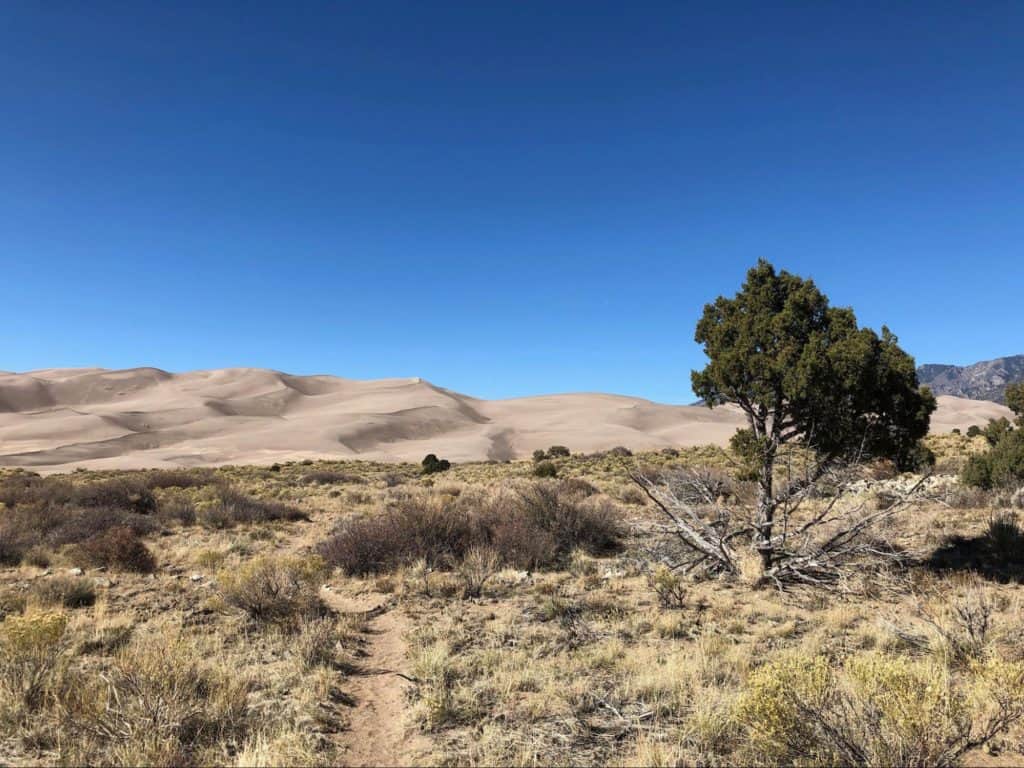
(558,451)
(669,587)
(431,464)
(973,431)
(1002,466)
(539,455)
(1015,400)
(997,429)
(545,469)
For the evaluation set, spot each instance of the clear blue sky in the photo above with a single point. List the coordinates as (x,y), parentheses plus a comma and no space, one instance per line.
(504,198)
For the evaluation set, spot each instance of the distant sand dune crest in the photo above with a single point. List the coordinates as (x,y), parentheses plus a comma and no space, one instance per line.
(58,419)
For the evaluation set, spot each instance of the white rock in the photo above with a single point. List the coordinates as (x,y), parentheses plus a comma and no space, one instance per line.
(196,577)
(75,571)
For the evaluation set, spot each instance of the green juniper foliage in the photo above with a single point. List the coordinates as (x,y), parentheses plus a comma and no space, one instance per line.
(803,370)
(1015,400)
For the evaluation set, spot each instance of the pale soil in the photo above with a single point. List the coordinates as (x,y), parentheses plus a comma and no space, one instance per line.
(379,732)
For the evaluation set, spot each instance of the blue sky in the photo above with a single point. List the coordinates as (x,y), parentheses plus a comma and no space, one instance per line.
(504,198)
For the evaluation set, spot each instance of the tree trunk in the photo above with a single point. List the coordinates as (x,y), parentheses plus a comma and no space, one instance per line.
(765,511)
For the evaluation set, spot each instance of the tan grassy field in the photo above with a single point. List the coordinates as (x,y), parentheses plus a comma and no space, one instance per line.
(236,644)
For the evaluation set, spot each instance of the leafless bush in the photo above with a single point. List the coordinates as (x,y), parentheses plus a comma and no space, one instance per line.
(180,478)
(230,508)
(816,529)
(532,525)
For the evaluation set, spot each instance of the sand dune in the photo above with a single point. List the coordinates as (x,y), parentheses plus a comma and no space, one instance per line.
(58,419)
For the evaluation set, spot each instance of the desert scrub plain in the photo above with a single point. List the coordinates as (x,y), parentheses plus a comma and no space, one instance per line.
(362,613)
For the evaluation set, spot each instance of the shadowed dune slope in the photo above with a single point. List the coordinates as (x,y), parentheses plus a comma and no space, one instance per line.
(57,419)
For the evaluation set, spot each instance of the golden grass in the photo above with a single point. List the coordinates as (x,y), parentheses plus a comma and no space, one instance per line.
(604,661)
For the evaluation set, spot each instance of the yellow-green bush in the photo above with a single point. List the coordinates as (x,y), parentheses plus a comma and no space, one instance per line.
(275,589)
(31,658)
(775,704)
(877,709)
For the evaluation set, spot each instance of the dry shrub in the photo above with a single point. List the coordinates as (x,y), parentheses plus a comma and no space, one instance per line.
(633,495)
(577,486)
(177,508)
(38,556)
(180,478)
(426,526)
(228,508)
(533,525)
(275,589)
(51,512)
(876,710)
(81,524)
(117,548)
(476,569)
(330,477)
(162,703)
(593,525)
(13,546)
(521,543)
(65,591)
(966,497)
(129,494)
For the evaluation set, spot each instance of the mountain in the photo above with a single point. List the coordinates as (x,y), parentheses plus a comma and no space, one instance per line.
(986,380)
(59,419)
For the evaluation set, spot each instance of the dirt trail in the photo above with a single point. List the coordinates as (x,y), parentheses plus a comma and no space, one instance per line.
(378,732)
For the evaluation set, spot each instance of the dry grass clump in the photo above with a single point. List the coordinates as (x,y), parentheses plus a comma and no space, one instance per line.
(69,694)
(530,525)
(160,703)
(331,477)
(275,589)
(64,591)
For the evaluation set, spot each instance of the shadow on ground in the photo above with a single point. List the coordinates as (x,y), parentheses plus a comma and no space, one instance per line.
(997,554)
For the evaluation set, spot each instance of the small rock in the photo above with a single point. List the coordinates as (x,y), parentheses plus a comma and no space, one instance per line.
(103,583)
(75,571)
(196,577)
(326,587)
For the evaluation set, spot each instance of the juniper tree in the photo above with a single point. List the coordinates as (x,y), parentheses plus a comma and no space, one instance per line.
(802,370)
(1015,400)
